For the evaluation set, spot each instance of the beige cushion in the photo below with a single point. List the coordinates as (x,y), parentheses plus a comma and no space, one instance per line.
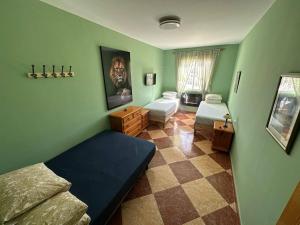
(22,189)
(85,220)
(62,209)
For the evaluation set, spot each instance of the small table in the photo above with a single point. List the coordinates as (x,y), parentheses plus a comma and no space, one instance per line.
(222,136)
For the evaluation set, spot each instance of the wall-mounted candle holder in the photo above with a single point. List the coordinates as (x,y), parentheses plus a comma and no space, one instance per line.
(52,74)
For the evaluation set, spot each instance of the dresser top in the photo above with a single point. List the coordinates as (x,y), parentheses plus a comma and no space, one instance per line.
(144,111)
(125,112)
(219,125)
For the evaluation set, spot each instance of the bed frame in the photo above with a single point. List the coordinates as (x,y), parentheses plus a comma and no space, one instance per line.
(205,130)
(160,120)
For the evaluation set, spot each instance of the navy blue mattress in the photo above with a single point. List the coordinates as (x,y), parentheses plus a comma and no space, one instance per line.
(102,170)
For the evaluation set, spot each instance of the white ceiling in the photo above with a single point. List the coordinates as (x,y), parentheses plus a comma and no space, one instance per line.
(204,22)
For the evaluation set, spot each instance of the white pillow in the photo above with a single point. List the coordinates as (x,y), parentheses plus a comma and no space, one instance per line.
(213,97)
(169,97)
(213,101)
(169,94)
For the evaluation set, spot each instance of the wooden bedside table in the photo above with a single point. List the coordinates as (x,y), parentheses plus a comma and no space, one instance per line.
(222,136)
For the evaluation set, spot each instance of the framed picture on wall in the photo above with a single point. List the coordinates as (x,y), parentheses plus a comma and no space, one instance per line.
(117,77)
(150,79)
(284,120)
(237,81)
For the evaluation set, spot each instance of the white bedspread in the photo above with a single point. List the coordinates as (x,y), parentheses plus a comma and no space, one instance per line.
(207,113)
(163,107)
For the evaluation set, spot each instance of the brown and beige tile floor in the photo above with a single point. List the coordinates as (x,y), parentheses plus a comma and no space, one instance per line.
(186,183)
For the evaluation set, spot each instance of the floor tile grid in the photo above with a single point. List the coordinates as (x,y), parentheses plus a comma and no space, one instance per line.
(197,177)
(181,170)
(181,124)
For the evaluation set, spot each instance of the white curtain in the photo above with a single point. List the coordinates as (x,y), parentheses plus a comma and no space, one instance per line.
(194,70)
(296,85)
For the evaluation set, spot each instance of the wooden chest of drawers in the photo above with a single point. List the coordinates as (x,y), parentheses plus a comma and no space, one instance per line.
(127,121)
(145,118)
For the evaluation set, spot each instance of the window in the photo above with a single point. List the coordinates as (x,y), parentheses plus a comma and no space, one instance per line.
(194,70)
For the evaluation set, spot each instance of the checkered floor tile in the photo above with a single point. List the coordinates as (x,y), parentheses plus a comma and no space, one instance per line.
(187,182)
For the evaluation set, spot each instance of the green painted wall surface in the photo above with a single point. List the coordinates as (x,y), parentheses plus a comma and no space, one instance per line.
(42,118)
(222,74)
(264,175)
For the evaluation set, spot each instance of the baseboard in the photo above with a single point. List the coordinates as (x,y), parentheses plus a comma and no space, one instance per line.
(235,191)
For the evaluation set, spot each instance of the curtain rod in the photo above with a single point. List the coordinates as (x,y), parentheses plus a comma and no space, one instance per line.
(197,50)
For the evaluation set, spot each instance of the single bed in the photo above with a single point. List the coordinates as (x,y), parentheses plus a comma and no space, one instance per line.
(206,115)
(102,170)
(162,109)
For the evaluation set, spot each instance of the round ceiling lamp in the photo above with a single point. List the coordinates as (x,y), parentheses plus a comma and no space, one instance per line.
(169,22)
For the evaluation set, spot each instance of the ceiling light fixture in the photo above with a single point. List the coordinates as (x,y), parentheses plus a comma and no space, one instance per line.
(169,22)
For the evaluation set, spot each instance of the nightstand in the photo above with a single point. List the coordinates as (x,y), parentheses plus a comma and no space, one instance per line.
(222,136)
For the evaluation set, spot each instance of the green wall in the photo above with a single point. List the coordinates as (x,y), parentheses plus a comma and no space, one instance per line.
(42,118)
(264,175)
(222,74)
